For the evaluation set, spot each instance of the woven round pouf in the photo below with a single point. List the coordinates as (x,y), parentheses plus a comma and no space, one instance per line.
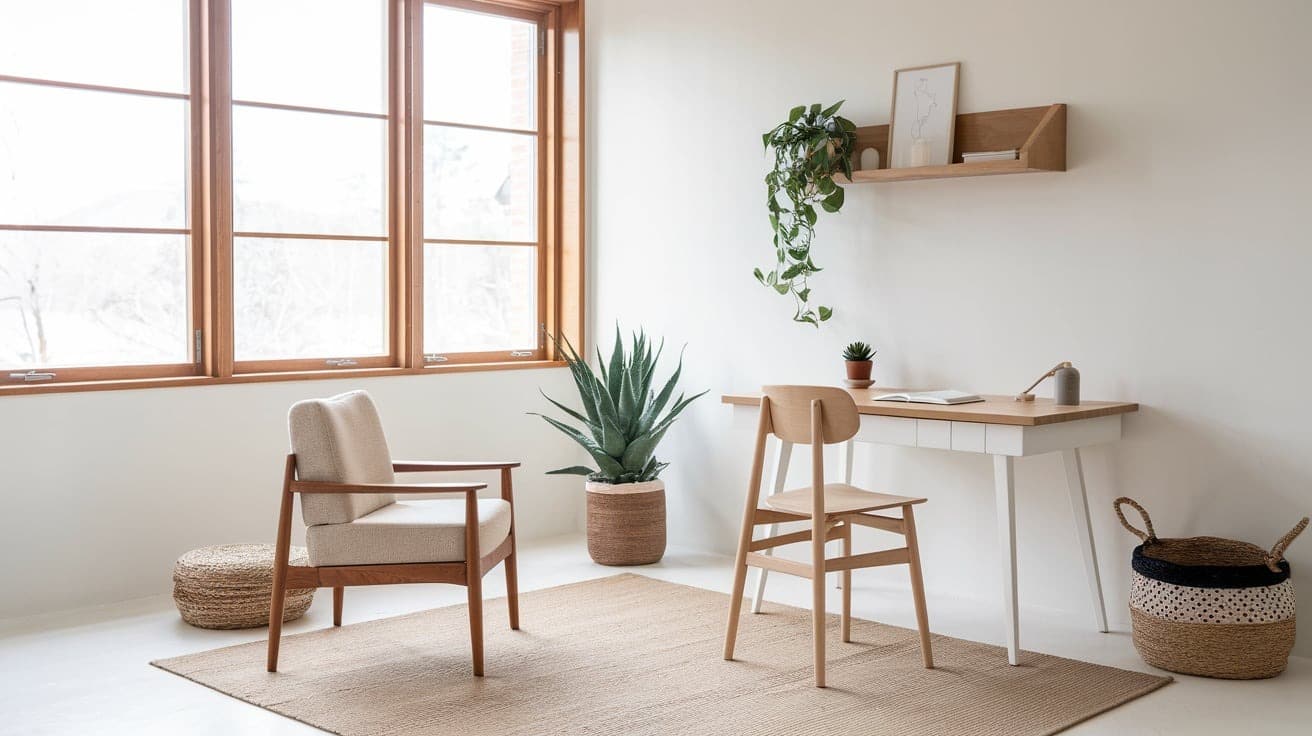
(230,586)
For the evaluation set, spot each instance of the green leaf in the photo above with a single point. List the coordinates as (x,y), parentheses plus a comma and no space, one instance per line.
(759,276)
(825,313)
(566,409)
(781,288)
(832,109)
(572,470)
(793,271)
(796,113)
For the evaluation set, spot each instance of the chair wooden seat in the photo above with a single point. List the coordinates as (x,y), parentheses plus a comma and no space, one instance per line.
(840,498)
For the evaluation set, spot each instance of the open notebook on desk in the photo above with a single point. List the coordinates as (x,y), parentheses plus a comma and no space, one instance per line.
(945,397)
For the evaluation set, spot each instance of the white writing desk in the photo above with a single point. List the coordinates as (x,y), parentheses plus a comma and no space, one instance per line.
(999,426)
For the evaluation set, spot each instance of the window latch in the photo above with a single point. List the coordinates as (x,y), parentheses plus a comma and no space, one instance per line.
(32,376)
(341,362)
(521,353)
(434,358)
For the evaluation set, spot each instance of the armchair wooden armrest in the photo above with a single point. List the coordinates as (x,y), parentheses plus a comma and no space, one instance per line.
(435,466)
(307,486)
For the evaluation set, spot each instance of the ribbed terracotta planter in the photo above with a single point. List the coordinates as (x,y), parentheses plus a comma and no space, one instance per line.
(626,522)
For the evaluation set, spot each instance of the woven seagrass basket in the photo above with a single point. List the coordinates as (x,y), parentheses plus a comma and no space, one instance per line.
(626,522)
(230,586)
(1210,606)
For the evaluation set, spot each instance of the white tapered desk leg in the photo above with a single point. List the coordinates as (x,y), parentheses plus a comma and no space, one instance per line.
(780,477)
(1084,531)
(1004,480)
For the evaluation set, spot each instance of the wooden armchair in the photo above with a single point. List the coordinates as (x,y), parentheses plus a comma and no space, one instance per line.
(357,533)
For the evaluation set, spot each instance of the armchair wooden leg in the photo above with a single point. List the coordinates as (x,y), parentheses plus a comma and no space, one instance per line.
(512,573)
(512,587)
(918,586)
(847,584)
(281,554)
(338,594)
(474,582)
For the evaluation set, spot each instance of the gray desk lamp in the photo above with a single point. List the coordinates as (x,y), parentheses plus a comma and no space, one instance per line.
(1067,390)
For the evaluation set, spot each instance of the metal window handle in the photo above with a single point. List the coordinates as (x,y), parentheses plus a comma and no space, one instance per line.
(521,353)
(32,376)
(341,362)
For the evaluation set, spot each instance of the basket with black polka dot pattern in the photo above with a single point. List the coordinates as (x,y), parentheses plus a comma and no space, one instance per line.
(1211,606)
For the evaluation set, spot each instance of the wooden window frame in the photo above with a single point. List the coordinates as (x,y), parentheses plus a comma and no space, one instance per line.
(560,245)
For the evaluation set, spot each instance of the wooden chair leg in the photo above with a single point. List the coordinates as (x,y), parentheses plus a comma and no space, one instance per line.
(918,586)
(739,582)
(474,581)
(745,534)
(847,584)
(818,596)
(338,593)
(512,573)
(282,552)
(512,587)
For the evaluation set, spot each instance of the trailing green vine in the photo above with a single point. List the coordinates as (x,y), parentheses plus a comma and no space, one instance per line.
(812,146)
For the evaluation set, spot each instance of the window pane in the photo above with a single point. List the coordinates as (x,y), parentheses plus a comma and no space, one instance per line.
(72,157)
(479,185)
(317,53)
(479,69)
(140,44)
(309,298)
(311,173)
(60,305)
(479,298)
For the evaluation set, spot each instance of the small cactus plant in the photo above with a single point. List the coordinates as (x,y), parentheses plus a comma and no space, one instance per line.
(858,351)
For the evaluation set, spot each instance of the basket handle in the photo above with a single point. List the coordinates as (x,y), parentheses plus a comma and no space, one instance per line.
(1146,537)
(1278,551)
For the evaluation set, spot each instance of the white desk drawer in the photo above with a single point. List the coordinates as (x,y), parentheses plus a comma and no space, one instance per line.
(887,430)
(934,433)
(968,436)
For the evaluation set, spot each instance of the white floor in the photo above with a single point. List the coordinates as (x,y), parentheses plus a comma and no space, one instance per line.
(87,672)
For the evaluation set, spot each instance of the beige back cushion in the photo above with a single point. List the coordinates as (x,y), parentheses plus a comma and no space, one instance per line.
(340,440)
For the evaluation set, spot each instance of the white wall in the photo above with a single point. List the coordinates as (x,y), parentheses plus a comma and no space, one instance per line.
(102,491)
(1170,263)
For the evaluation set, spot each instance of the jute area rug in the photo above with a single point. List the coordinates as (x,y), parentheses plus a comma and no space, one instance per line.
(628,655)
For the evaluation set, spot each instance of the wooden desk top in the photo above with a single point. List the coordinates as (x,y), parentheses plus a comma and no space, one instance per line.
(993,410)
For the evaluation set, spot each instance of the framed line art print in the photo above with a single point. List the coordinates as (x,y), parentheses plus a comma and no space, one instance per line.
(924,115)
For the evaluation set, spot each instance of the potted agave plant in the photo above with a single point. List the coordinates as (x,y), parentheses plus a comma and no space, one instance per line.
(622,421)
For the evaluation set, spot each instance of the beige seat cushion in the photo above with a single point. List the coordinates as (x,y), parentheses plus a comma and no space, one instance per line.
(408,531)
(340,440)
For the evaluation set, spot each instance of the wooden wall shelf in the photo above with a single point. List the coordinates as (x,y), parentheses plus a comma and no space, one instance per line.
(1038,133)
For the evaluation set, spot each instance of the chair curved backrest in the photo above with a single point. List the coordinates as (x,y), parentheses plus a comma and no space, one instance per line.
(340,440)
(790,413)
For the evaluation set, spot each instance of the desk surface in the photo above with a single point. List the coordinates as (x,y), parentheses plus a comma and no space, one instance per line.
(993,410)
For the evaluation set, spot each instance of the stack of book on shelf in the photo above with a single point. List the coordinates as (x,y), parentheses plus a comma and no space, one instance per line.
(1009,155)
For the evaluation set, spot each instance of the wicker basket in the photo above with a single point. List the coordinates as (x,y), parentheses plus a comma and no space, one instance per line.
(229,587)
(1209,606)
(626,522)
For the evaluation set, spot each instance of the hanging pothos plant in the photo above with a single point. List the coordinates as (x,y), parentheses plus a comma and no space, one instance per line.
(809,149)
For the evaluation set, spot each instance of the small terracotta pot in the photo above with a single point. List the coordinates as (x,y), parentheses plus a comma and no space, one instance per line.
(626,522)
(859,370)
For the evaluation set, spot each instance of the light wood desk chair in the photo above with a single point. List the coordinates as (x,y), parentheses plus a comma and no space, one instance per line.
(819,416)
(357,533)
